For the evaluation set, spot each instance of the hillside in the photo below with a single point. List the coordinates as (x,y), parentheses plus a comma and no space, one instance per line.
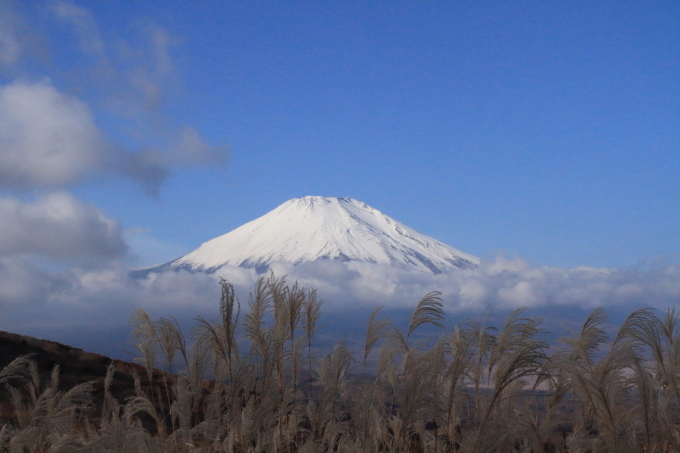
(76,367)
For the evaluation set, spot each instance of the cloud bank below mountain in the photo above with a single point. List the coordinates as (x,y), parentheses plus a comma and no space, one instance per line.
(32,296)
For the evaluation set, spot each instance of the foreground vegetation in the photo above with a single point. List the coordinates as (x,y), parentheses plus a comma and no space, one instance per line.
(252,383)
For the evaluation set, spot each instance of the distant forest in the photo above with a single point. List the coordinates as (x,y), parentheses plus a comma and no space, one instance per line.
(254,382)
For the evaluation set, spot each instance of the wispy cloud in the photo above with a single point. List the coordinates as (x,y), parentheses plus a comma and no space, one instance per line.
(50,138)
(86,29)
(10,47)
(134,79)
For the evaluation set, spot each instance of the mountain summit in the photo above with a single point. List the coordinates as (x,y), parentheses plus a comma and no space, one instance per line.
(312,228)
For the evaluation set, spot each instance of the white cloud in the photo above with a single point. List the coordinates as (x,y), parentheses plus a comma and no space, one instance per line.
(32,297)
(27,286)
(501,283)
(47,139)
(50,140)
(58,226)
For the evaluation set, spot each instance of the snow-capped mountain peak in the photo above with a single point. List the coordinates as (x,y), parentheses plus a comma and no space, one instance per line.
(312,228)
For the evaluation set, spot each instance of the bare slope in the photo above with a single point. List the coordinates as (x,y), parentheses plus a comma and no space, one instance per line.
(76,367)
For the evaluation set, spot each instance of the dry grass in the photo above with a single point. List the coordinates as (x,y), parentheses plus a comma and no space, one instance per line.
(475,388)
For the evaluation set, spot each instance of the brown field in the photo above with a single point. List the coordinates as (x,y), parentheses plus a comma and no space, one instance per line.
(252,383)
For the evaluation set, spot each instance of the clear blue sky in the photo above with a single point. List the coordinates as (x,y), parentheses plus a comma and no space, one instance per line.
(550,130)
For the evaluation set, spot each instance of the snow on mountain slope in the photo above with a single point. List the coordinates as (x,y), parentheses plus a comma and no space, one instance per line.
(311,228)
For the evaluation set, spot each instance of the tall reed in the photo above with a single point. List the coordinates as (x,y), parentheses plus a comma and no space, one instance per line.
(245,384)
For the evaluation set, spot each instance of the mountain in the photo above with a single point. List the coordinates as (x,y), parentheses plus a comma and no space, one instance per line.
(312,228)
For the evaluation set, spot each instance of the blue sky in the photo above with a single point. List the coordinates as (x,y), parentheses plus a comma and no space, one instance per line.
(547,131)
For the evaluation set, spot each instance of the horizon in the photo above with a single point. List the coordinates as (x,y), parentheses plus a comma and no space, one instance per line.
(540,137)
